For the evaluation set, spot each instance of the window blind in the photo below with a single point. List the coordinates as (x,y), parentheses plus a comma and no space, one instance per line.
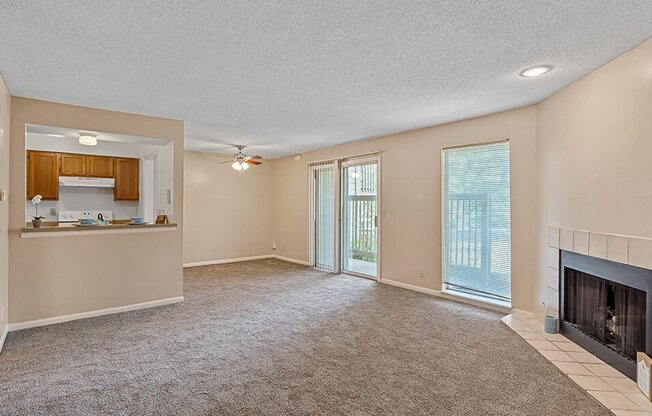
(476,220)
(324,219)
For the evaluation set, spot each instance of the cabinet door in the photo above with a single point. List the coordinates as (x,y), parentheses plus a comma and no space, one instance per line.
(72,165)
(99,166)
(126,179)
(43,175)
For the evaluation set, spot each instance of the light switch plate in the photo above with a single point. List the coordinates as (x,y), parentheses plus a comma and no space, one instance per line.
(3,195)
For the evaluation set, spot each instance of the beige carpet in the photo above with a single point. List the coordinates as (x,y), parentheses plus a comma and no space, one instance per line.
(269,337)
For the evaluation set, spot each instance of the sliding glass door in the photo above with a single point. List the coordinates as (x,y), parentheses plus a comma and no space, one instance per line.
(476,221)
(360,218)
(324,217)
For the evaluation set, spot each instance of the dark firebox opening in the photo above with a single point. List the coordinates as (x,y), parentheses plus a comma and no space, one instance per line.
(608,312)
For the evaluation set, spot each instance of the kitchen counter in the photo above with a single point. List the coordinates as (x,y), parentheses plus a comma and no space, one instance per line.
(70,229)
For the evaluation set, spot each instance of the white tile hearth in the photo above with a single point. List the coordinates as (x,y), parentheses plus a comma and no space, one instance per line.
(568,346)
(603,382)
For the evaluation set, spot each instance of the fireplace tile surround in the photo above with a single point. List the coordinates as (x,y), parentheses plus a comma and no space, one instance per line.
(607,385)
(634,251)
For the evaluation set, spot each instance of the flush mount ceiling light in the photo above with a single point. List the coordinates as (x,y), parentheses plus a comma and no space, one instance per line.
(87,139)
(56,135)
(535,71)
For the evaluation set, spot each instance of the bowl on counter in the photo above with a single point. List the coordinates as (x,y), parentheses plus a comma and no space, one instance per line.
(86,221)
(137,220)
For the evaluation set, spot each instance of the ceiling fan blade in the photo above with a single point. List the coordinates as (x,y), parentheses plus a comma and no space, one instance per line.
(226,161)
(253,162)
(257,157)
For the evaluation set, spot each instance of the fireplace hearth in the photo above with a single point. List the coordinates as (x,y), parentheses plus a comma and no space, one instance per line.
(606,308)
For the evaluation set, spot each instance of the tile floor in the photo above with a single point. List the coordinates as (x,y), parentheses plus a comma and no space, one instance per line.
(608,386)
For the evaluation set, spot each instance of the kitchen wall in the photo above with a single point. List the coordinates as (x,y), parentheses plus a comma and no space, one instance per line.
(5,101)
(411,198)
(595,155)
(55,276)
(227,215)
(79,199)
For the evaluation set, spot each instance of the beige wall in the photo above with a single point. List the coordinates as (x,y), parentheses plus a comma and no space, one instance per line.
(226,215)
(56,276)
(411,198)
(595,154)
(5,101)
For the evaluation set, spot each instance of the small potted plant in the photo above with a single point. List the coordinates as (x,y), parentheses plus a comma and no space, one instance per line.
(36,221)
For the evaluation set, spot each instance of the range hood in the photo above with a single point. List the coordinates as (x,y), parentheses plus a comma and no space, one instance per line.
(86,182)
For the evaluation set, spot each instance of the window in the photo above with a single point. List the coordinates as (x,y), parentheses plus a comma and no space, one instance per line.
(476,221)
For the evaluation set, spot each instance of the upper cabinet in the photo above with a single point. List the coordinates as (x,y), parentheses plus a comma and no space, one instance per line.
(100,166)
(126,179)
(44,169)
(43,175)
(72,164)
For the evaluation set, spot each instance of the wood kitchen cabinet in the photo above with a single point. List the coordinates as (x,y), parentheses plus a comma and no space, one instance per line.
(43,175)
(72,164)
(126,179)
(99,166)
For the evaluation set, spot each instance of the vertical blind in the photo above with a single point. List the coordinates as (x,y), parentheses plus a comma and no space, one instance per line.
(324,218)
(476,220)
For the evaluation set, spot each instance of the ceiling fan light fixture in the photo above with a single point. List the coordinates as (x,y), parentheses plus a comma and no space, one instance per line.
(237,166)
(87,139)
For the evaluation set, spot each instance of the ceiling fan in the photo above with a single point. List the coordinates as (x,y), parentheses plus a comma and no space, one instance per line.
(241,161)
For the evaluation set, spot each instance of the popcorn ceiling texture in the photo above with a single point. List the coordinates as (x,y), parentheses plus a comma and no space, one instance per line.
(287,77)
(274,338)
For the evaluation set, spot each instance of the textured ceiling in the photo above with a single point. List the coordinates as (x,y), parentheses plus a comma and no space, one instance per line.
(287,77)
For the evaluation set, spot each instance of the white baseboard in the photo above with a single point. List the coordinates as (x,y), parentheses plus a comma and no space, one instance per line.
(411,287)
(90,314)
(239,259)
(438,293)
(291,260)
(5,331)
(224,261)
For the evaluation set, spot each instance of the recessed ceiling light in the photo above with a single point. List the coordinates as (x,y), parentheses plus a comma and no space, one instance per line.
(535,71)
(56,135)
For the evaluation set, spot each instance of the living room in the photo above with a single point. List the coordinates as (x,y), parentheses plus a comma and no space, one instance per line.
(355,216)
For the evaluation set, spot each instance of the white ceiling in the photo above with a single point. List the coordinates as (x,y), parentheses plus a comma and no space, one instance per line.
(287,77)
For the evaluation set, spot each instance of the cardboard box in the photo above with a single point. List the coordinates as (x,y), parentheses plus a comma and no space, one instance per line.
(643,373)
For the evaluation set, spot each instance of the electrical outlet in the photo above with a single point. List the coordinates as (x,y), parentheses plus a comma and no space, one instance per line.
(274,245)
(420,273)
(3,195)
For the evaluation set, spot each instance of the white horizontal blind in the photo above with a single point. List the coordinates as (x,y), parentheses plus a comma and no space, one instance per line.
(476,220)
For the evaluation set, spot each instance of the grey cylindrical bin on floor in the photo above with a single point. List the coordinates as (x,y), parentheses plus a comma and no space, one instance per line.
(550,325)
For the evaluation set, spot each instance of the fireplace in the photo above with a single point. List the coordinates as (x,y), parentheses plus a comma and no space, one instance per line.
(606,308)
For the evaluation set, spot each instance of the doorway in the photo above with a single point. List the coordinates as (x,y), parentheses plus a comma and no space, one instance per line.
(360,218)
(345,225)
(149,197)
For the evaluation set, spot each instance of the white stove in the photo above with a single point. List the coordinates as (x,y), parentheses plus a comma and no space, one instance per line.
(75,216)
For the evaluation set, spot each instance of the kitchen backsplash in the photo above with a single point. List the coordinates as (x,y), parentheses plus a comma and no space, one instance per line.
(79,199)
